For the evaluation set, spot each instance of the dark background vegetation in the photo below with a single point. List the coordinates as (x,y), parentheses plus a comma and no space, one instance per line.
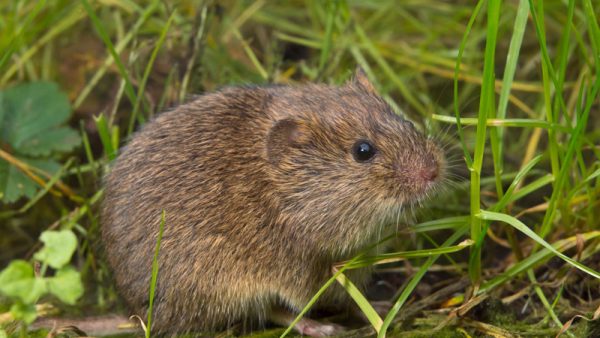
(61,54)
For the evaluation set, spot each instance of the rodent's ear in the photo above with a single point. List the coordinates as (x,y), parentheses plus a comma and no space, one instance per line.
(361,81)
(284,134)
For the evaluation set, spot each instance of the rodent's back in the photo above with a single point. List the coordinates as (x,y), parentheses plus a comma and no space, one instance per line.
(189,162)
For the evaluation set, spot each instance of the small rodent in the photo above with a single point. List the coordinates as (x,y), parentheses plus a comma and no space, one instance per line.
(264,189)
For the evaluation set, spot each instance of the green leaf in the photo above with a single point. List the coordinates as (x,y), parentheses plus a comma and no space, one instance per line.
(24,312)
(18,281)
(58,248)
(31,109)
(14,183)
(60,139)
(31,116)
(66,285)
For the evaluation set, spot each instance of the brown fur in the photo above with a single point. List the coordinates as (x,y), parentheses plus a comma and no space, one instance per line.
(262,195)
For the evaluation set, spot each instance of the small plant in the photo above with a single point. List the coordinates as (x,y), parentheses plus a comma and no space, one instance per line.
(32,132)
(24,286)
(512,88)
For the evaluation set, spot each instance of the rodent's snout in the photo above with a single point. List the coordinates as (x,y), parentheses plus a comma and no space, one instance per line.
(427,171)
(435,164)
(430,172)
(421,171)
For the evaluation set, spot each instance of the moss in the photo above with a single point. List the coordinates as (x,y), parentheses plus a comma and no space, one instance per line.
(494,312)
(593,329)
(448,332)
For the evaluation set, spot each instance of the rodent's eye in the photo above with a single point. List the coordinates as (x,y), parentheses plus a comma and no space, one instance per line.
(363,151)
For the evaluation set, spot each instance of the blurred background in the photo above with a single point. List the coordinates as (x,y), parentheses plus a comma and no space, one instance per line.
(78,77)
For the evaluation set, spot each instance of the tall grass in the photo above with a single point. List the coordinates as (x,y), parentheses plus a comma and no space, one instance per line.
(516,83)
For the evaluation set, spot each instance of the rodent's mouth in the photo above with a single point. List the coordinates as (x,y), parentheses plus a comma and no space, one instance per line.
(426,192)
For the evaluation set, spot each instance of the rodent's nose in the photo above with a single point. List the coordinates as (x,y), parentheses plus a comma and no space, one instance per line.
(430,173)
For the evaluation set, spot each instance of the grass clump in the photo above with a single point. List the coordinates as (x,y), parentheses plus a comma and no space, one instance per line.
(511,86)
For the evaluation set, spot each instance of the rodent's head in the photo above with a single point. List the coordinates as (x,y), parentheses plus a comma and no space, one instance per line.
(344,161)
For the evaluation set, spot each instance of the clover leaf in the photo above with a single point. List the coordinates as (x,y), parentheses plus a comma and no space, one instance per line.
(18,281)
(66,285)
(24,312)
(58,248)
(32,118)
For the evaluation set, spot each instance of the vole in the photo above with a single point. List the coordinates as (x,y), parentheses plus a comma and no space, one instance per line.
(264,188)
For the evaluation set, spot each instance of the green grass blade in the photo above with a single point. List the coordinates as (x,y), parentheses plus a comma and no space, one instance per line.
(352,264)
(457,69)
(537,17)
(251,55)
(362,302)
(388,71)
(142,85)
(401,255)
(573,146)
(317,295)
(87,148)
(198,38)
(515,223)
(16,37)
(589,178)
(512,57)
(503,202)
(154,274)
(441,224)
(74,17)
(540,294)
(594,32)
(548,78)
(497,134)
(535,259)
(563,57)
(332,10)
(415,281)
(129,91)
(486,109)
(520,123)
(46,188)
(105,136)
(121,45)
(533,186)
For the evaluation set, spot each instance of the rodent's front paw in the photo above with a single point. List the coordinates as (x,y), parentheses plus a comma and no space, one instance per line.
(314,328)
